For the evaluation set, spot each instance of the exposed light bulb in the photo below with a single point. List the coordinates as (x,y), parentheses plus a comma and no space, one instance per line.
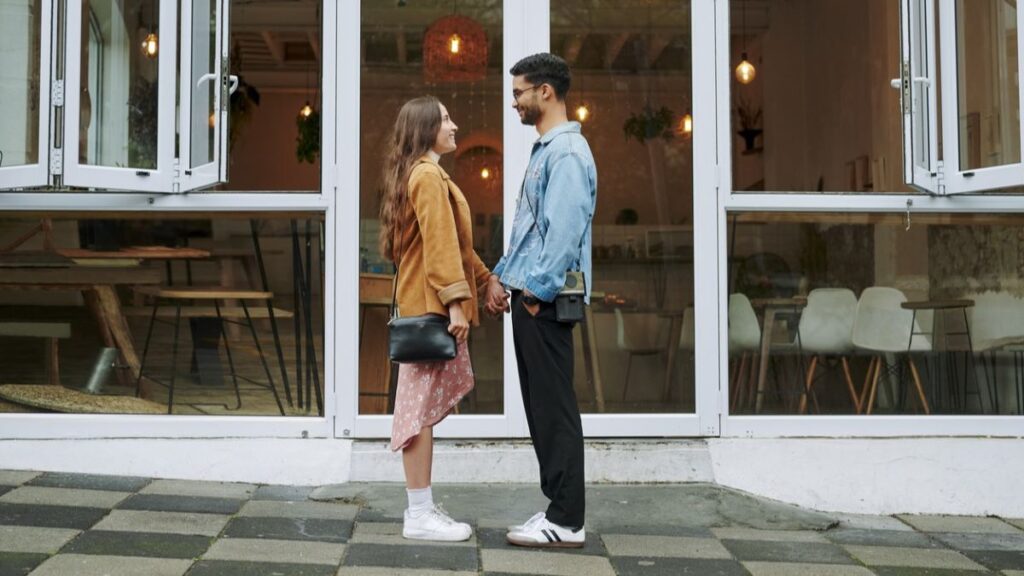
(213,119)
(454,43)
(307,110)
(686,125)
(150,45)
(582,113)
(485,173)
(745,71)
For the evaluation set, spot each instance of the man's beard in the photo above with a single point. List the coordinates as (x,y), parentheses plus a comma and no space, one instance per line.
(530,115)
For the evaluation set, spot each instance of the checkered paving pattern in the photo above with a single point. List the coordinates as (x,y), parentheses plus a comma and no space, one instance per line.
(63,524)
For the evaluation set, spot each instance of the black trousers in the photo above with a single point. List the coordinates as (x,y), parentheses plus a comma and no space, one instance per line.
(544,354)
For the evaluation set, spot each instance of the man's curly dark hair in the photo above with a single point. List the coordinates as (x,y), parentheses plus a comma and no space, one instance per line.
(545,68)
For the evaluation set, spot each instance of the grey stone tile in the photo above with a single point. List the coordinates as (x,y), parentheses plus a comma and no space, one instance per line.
(660,530)
(286,551)
(375,571)
(163,522)
(32,539)
(391,535)
(1005,542)
(790,569)
(288,493)
(532,562)
(962,524)
(497,538)
(16,477)
(675,567)
(200,488)
(19,563)
(906,539)
(1013,572)
(90,482)
(316,529)
(997,559)
(665,547)
(50,516)
(232,568)
(911,557)
(164,503)
(806,552)
(412,556)
(769,535)
(6,489)
(105,543)
(63,497)
(1018,522)
(871,522)
(87,565)
(893,571)
(307,509)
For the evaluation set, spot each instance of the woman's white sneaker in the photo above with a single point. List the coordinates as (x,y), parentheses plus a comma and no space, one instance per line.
(435,524)
(545,534)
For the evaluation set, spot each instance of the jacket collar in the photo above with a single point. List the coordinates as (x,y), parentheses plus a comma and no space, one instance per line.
(426,159)
(570,126)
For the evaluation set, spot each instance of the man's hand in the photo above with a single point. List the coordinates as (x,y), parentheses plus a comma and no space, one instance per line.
(533,310)
(496,299)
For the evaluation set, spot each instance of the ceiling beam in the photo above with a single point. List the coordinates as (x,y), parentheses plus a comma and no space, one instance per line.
(275,47)
(613,47)
(656,44)
(572,47)
(314,41)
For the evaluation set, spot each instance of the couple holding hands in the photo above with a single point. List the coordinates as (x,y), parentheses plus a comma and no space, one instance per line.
(427,229)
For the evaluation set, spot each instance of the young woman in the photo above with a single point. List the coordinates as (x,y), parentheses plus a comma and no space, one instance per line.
(426,228)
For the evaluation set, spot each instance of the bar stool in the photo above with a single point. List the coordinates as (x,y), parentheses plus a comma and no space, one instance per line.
(180,299)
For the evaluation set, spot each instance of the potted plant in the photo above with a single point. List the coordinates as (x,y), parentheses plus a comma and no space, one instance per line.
(750,122)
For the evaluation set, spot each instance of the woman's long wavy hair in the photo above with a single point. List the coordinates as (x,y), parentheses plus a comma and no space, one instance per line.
(415,133)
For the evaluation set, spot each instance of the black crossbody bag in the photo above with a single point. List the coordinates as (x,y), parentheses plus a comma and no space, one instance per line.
(417,339)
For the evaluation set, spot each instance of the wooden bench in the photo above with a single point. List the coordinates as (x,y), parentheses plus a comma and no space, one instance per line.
(51,331)
(207,312)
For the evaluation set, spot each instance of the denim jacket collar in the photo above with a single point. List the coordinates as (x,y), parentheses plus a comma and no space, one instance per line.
(568,126)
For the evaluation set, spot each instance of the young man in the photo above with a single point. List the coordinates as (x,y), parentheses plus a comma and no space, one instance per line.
(550,237)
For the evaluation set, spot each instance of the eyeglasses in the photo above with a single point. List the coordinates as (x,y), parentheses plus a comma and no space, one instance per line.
(518,93)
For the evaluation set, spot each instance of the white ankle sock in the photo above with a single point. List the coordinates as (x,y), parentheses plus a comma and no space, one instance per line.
(420,500)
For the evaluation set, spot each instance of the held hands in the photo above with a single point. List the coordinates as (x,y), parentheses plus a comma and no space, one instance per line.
(496,299)
(458,326)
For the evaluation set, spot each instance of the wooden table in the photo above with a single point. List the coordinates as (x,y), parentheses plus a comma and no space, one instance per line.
(99,288)
(675,333)
(771,307)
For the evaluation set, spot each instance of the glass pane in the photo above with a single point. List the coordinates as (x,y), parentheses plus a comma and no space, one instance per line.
(400,62)
(631,65)
(819,113)
(274,115)
(875,317)
(987,70)
(921,92)
(19,82)
(204,81)
(60,340)
(120,63)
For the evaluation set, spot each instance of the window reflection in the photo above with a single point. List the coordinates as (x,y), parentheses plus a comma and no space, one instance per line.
(19,82)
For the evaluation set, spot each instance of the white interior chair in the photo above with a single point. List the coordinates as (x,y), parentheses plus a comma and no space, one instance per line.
(883,327)
(638,334)
(745,341)
(996,323)
(826,330)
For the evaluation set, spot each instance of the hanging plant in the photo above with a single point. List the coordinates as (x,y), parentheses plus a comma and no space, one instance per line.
(307,143)
(241,101)
(649,124)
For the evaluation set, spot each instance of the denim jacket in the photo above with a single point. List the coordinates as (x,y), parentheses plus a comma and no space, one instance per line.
(554,210)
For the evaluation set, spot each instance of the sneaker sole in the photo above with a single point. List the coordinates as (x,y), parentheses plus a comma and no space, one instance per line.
(432,536)
(532,544)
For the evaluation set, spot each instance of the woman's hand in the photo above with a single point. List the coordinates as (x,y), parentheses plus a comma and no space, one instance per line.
(458,325)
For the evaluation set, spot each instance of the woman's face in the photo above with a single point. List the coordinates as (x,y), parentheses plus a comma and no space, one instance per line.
(446,135)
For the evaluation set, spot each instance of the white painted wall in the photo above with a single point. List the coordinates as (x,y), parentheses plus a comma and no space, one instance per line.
(972,476)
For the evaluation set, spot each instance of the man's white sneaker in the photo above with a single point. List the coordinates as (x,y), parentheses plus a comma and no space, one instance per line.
(545,534)
(435,524)
(526,525)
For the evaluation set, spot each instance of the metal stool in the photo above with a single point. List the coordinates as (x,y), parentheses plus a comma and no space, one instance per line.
(178,298)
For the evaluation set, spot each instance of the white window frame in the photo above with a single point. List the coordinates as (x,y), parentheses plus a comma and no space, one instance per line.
(38,173)
(189,177)
(958,180)
(53,426)
(524,22)
(882,426)
(918,85)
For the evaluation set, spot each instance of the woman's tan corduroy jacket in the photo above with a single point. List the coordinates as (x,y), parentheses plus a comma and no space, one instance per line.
(434,247)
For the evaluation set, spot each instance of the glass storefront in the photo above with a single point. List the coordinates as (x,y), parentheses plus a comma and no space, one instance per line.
(20,83)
